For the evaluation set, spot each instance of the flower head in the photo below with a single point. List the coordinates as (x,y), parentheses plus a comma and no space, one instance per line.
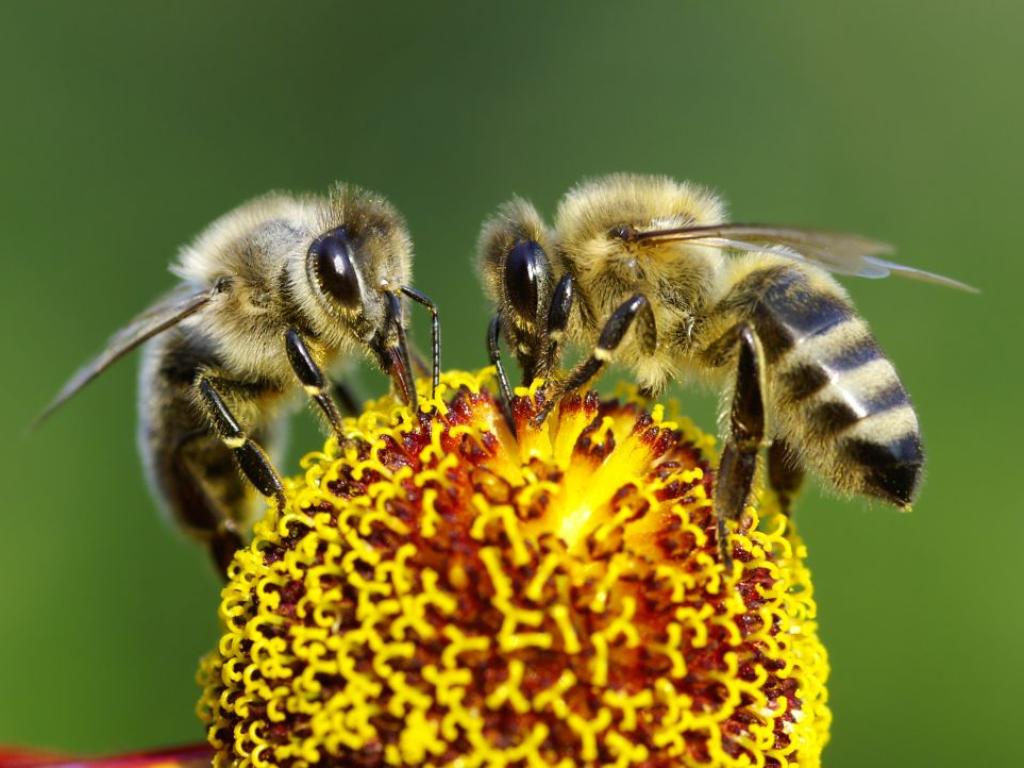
(441,592)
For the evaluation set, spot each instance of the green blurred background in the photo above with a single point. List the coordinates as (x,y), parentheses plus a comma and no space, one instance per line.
(124,130)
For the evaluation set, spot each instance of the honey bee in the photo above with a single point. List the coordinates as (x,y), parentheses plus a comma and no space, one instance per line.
(751,309)
(272,294)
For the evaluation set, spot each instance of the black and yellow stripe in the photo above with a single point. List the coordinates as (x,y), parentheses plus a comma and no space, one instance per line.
(835,395)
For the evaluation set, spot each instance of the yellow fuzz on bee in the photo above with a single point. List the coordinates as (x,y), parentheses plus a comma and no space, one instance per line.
(441,592)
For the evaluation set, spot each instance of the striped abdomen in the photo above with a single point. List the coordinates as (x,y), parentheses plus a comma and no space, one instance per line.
(833,394)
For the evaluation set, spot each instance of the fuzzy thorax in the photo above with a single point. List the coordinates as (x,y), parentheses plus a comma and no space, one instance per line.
(441,593)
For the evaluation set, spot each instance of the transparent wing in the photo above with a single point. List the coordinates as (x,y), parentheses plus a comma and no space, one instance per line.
(836,252)
(166,313)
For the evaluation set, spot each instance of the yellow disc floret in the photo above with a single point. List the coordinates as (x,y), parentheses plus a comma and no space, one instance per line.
(441,591)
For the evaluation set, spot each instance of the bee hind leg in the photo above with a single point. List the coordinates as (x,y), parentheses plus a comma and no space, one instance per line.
(182,470)
(223,544)
(251,458)
(635,309)
(738,463)
(785,474)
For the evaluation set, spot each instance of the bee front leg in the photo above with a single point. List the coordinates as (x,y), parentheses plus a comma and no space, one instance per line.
(435,333)
(746,434)
(251,458)
(494,353)
(557,322)
(637,308)
(313,380)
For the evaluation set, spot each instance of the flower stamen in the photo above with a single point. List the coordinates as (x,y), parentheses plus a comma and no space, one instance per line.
(447,594)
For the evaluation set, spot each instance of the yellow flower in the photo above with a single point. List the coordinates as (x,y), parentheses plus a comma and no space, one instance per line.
(439,592)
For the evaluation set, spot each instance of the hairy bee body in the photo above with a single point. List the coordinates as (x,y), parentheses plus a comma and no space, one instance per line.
(236,337)
(193,474)
(274,297)
(663,285)
(831,394)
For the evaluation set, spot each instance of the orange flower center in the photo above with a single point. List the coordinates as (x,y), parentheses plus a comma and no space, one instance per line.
(442,592)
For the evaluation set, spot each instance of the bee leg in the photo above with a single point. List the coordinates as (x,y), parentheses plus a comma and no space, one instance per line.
(209,520)
(251,458)
(649,395)
(738,463)
(785,474)
(223,544)
(313,380)
(636,308)
(558,320)
(435,333)
(494,352)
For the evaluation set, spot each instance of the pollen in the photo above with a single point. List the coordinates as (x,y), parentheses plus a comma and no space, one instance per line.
(443,591)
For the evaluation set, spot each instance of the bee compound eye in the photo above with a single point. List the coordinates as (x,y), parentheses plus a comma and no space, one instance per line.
(331,258)
(523,266)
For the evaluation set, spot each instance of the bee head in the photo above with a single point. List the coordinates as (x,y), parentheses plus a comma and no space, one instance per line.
(356,268)
(514,265)
(362,253)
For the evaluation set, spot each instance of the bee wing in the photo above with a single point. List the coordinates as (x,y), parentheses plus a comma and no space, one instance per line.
(166,313)
(837,252)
